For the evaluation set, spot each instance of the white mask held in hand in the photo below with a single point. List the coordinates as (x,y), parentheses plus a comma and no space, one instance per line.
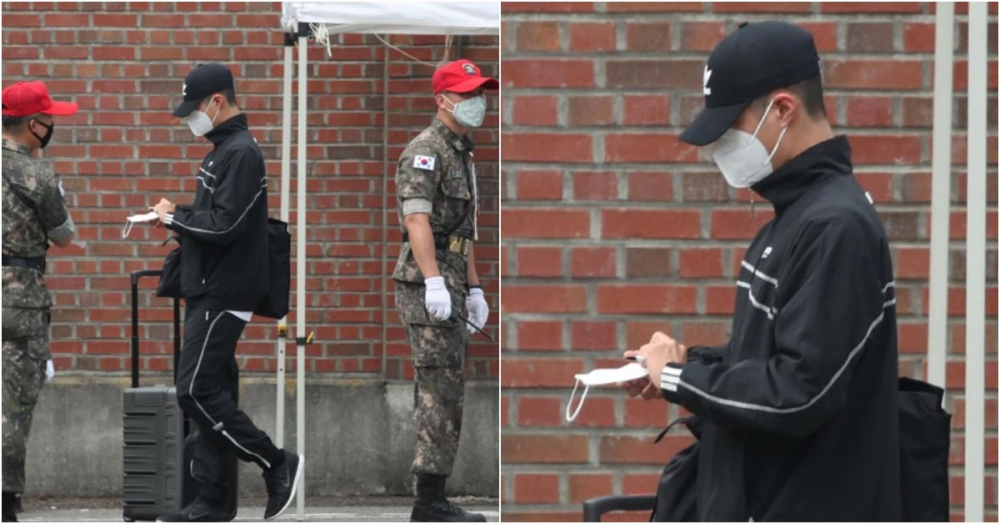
(602,377)
(199,122)
(742,158)
(138,219)
(469,112)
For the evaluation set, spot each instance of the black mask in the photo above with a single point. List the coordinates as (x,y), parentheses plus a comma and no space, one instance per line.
(48,133)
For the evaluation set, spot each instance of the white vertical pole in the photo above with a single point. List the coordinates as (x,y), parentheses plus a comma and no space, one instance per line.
(300,278)
(286,174)
(937,335)
(975,273)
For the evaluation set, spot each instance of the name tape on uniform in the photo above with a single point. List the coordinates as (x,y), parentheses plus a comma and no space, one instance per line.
(423,162)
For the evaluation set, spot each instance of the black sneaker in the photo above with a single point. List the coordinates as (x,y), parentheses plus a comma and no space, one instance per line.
(199,510)
(281,481)
(442,510)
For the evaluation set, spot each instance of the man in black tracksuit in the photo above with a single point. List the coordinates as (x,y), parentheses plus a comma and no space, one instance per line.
(800,406)
(223,279)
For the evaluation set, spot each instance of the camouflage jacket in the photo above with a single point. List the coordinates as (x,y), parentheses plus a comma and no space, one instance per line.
(436,175)
(27,230)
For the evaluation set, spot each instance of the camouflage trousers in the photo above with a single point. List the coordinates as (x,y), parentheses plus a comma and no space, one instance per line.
(439,371)
(25,352)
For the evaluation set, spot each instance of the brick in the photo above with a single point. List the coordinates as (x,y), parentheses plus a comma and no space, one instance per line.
(700,263)
(115,20)
(67,20)
(538,36)
(651,36)
(824,34)
(760,7)
(650,186)
(653,7)
(636,148)
(595,185)
(917,112)
(642,414)
(870,7)
(592,262)
(547,147)
(548,73)
(869,111)
(918,37)
(912,263)
(547,7)
(589,335)
(654,74)
(640,484)
(632,450)
(586,486)
(646,110)
(560,223)
(545,299)
(737,224)
(647,262)
(701,36)
(536,111)
(544,449)
(870,38)
(536,488)
(651,223)
(539,185)
(590,111)
(588,37)
(539,261)
(704,187)
(885,149)
(872,74)
(646,299)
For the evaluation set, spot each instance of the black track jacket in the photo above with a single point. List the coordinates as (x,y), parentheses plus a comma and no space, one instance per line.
(801,405)
(224,233)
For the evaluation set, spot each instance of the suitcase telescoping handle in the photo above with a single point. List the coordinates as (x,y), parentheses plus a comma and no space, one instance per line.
(136,276)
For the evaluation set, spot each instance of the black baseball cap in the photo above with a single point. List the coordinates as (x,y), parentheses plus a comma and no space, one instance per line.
(748,64)
(203,81)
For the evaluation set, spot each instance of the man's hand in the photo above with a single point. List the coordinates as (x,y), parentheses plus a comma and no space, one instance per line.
(437,300)
(162,209)
(479,310)
(660,351)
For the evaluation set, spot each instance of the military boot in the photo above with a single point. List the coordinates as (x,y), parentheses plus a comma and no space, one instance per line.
(9,501)
(432,506)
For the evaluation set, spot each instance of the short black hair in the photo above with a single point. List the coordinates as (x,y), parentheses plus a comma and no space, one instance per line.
(810,91)
(228,94)
(14,124)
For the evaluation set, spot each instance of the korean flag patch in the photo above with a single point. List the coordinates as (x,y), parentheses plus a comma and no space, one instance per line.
(423,162)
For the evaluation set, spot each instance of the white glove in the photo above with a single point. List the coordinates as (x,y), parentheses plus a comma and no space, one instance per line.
(50,370)
(437,300)
(479,310)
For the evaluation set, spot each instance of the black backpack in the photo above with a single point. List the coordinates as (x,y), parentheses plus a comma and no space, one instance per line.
(924,442)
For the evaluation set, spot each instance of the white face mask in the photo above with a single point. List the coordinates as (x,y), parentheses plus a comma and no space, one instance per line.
(601,377)
(741,157)
(138,219)
(469,112)
(199,122)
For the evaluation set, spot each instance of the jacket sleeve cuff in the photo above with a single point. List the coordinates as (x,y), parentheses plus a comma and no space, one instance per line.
(670,379)
(170,219)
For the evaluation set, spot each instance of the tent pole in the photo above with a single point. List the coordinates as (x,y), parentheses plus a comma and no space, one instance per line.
(937,334)
(286,172)
(300,272)
(385,205)
(975,273)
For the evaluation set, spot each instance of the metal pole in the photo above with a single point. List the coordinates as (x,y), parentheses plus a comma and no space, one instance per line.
(286,174)
(300,273)
(385,201)
(937,335)
(975,273)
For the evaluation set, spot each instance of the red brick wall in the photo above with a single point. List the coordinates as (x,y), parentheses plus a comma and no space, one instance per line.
(612,228)
(124,63)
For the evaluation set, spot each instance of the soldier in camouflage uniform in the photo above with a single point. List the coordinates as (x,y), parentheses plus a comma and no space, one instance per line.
(34,214)
(437,287)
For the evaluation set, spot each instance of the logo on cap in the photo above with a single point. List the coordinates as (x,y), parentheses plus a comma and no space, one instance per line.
(704,86)
(469,69)
(184,90)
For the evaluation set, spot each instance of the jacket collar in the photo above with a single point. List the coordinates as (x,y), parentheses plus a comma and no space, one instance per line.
(16,147)
(227,128)
(792,180)
(458,143)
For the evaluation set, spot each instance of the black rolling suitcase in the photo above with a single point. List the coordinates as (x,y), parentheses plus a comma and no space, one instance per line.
(158,438)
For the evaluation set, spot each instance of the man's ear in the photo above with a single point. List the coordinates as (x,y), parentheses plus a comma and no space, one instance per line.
(786,106)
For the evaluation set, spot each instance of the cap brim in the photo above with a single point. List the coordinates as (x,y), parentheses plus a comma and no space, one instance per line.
(474,83)
(61,109)
(186,108)
(711,123)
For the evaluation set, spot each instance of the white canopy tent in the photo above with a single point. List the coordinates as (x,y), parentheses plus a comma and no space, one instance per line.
(298,19)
